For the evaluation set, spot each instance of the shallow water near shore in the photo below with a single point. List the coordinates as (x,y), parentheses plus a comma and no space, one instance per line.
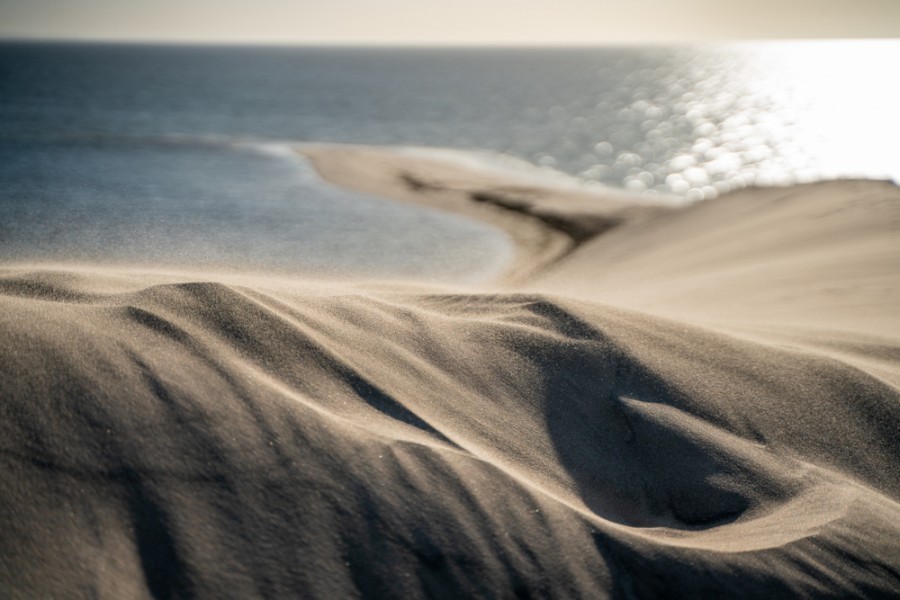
(199,204)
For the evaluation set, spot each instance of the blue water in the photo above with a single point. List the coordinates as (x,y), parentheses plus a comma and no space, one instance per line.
(176,155)
(205,205)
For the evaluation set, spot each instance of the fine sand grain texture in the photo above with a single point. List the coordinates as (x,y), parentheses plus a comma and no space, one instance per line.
(701,402)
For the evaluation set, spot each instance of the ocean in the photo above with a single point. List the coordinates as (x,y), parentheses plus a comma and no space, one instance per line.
(180,155)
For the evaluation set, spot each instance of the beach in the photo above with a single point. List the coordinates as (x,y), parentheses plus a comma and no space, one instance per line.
(653,400)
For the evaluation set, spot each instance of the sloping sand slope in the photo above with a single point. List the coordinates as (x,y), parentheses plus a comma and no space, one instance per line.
(631,425)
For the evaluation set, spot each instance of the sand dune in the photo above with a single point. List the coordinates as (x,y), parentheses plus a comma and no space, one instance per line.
(683,403)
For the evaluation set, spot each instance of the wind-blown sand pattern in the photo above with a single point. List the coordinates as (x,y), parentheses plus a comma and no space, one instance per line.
(656,402)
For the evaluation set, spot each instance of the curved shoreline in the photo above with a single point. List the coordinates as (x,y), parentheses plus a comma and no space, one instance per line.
(546,222)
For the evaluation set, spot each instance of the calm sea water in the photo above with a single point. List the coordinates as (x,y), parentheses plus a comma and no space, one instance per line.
(177,155)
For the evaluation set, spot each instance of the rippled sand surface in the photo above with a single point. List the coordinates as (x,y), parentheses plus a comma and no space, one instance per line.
(678,403)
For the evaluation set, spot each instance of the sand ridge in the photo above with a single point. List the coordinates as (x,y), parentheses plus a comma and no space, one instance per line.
(666,408)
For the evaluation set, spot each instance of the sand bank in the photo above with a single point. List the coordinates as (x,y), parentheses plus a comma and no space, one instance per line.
(655,402)
(546,221)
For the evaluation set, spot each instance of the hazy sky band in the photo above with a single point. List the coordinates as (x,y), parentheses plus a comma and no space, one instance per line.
(448,21)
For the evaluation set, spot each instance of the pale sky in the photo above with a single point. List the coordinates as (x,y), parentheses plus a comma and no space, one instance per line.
(448,21)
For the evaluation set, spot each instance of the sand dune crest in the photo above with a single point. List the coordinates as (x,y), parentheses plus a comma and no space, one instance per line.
(228,438)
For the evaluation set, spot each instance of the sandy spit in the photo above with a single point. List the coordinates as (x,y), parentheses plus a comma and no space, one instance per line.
(700,402)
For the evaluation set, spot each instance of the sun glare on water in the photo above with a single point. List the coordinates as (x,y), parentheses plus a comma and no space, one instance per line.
(786,112)
(711,119)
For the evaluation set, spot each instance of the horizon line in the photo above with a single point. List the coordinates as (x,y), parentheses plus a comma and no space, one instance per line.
(423,44)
